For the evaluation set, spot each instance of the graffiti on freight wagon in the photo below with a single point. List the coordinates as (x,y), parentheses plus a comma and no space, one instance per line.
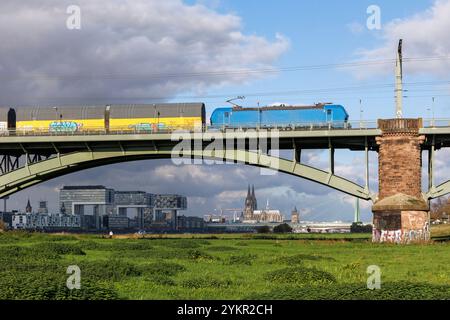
(64,126)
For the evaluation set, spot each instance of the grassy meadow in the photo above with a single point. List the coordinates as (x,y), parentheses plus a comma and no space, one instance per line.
(33,266)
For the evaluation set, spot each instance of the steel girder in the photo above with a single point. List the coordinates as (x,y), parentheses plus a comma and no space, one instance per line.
(32,174)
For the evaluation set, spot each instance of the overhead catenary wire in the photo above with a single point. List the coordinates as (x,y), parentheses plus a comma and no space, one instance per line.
(411,87)
(380,87)
(243,71)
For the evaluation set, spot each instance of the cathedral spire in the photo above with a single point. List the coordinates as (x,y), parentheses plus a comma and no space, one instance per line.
(28,208)
(255,203)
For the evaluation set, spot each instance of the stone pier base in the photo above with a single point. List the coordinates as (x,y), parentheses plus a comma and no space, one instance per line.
(401,219)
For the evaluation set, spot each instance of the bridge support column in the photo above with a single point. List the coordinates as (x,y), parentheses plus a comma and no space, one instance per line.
(400,213)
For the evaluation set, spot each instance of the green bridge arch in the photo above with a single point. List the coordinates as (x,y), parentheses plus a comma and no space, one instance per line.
(32,174)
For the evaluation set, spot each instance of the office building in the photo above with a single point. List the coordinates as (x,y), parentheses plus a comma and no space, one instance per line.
(142,209)
(95,201)
(166,208)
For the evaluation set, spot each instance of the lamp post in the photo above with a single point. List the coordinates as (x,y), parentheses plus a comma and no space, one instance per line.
(56,111)
(360,113)
(157,126)
(432,110)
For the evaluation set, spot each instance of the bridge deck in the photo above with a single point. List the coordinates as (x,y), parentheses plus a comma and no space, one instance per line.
(317,139)
(353,139)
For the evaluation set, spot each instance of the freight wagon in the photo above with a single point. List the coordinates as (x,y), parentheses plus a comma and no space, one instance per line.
(144,117)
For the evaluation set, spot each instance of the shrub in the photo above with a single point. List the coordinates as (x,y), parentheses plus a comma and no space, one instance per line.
(263,229)
(23,254)
(181,244)
(197,255)
(111,270)
(282,228)
(130,245)
(354,291)
(359,227)
(50,286)
(197,283)
(163,268)
(221,248)
(94,245)
(162,280)
(299,258)
(59,248)
(245,259)
(300,276)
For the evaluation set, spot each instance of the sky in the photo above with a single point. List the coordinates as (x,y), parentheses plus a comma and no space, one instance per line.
(146,51)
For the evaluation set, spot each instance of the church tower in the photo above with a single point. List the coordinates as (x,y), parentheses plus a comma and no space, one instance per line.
(249,204)
(295,216)
(28,208)
(255,204)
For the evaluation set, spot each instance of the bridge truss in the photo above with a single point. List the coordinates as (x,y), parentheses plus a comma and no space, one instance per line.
(27,161)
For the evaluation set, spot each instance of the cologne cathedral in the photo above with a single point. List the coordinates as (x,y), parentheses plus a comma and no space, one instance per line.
(251,213)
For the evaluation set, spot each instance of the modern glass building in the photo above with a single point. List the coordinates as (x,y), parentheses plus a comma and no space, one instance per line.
(142,209)
(166,208)
(87,200)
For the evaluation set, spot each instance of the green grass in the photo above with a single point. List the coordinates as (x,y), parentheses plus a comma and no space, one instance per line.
(33,266)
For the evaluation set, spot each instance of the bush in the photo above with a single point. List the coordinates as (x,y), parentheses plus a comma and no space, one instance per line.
(388,291)
(163,268)
(131,245)
(111,270)
(94,245)
(263,229)
(245,259)
(50,286)
(300,276)
(59,248)
(181,244)
(282,228)
(23,254)
(197,283)
(299,258)
(162,280)
(359,227)
(198,255)
(221,248)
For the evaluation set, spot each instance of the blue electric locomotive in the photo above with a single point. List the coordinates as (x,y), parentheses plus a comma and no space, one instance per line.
(326,115)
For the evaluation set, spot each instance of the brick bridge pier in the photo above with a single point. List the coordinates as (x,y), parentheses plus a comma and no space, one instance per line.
(400,213)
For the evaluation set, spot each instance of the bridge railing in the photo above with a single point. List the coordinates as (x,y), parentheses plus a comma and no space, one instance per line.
(288,126)
(436,123)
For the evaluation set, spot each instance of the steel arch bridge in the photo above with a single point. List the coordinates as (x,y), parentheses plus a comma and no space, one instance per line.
(28,161)
(40,171)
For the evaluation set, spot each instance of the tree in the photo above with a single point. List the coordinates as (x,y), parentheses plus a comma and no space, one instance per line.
(263,229)
(282,228)
(358,227)
(2,225)
(439,208)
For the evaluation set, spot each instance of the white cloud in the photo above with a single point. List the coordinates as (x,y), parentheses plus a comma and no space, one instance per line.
(424,35)
(120,48)
(356,28)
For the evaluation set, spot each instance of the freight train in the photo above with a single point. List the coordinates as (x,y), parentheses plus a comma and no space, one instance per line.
(165,116)
(149,117)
